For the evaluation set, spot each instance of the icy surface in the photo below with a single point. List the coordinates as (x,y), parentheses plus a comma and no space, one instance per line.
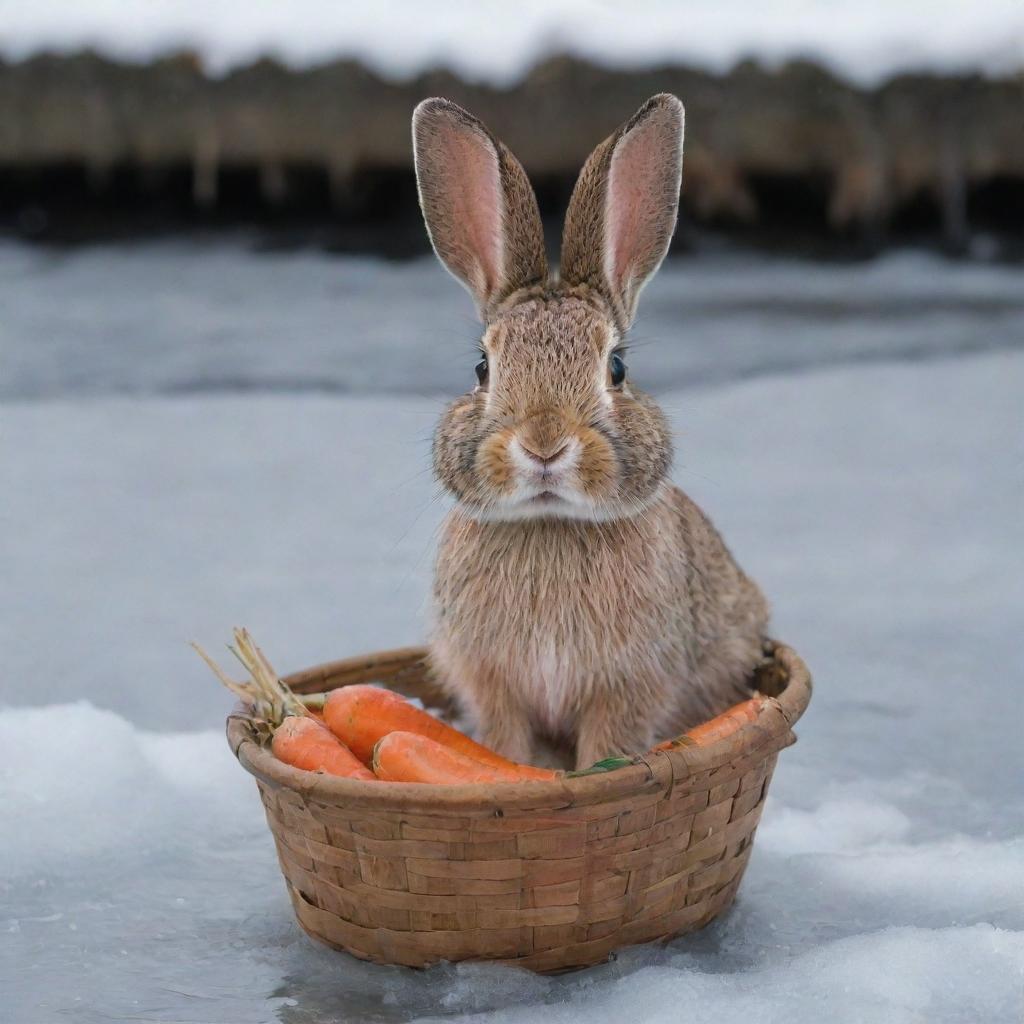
(184,318)
(496,41)
(878,502)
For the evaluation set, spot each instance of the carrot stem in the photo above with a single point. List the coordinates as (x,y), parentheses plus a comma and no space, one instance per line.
(297,735)
(608,764)
(271,699)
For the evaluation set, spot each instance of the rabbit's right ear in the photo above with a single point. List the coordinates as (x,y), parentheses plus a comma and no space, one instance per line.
(623,209)
(480,210)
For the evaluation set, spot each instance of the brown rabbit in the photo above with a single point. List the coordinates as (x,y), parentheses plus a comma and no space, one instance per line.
(579,595)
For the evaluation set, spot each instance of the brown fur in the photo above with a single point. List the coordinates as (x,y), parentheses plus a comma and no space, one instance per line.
(578,594)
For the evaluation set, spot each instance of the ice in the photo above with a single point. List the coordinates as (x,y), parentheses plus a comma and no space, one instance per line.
(877,501)
(495,41)
(179,318)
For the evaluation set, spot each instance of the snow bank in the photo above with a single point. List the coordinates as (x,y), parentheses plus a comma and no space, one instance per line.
(83,782)
(498,41)
(897,975)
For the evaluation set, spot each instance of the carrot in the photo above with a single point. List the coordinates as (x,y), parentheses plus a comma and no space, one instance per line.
(361,716)
(304,743)
(720,726)
(412,757)
(296,733)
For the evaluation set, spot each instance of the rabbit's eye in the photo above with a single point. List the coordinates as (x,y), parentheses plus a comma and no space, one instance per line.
(617,369)
(481,371)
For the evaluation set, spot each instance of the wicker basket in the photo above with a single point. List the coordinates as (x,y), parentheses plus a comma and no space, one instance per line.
(549,875)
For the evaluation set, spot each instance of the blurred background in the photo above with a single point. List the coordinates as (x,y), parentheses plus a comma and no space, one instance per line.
(811,124)
(223,346)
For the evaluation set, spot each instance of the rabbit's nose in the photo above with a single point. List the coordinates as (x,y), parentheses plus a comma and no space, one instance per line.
(544,455)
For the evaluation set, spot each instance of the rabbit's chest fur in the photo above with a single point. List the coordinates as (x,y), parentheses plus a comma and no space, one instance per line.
(547,617)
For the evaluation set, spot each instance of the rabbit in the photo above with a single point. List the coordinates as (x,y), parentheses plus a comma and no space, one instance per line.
(578,595)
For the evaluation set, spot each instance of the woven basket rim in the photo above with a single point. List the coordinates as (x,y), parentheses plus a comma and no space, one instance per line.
(650,772)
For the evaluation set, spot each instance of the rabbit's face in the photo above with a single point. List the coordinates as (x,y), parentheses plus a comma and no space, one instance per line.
(554,427)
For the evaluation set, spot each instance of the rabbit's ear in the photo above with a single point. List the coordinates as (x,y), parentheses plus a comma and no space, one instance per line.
(623,208)
(480,209)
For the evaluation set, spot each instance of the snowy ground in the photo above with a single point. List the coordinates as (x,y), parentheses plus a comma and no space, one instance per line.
(496,41)
(880,507)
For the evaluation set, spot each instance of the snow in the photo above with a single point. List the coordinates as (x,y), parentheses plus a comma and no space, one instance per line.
(898,975)
(497,42)
(877,500)
(118,773)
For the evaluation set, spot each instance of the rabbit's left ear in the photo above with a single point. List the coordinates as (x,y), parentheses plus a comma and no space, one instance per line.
(480,209)
(623,209)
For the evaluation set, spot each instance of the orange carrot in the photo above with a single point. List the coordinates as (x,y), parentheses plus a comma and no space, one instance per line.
(412,757)
(722,725)
(297,735)
(361,716)
(303,742)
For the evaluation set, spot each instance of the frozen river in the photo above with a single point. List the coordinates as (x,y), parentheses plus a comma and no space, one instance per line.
(194,437)
(174,319)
